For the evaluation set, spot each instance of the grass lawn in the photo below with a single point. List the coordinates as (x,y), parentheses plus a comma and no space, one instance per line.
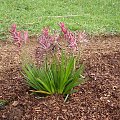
(94,16)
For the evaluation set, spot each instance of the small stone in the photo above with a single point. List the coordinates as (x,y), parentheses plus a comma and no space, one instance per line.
(3,116)
(64,110)
(114,87)
(15,103)
(105,95)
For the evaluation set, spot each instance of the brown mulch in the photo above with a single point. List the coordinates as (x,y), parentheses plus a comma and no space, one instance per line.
(97,99)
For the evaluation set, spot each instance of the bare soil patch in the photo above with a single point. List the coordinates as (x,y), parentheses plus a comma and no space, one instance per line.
(97,99)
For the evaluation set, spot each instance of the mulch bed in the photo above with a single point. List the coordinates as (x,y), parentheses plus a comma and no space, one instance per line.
(97,99)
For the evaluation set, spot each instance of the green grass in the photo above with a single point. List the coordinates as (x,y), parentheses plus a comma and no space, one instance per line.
(94,16)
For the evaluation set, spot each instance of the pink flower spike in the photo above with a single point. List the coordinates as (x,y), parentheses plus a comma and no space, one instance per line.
(19,39)
(19,35)
(45,31)
(62,26)
(25,37)
(13,28)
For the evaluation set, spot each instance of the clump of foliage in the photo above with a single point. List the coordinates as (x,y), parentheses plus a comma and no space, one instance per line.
(19,37)
(59,76)
(3,103)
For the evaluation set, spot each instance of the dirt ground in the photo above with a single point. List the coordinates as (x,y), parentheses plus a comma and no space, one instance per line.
(97,99)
